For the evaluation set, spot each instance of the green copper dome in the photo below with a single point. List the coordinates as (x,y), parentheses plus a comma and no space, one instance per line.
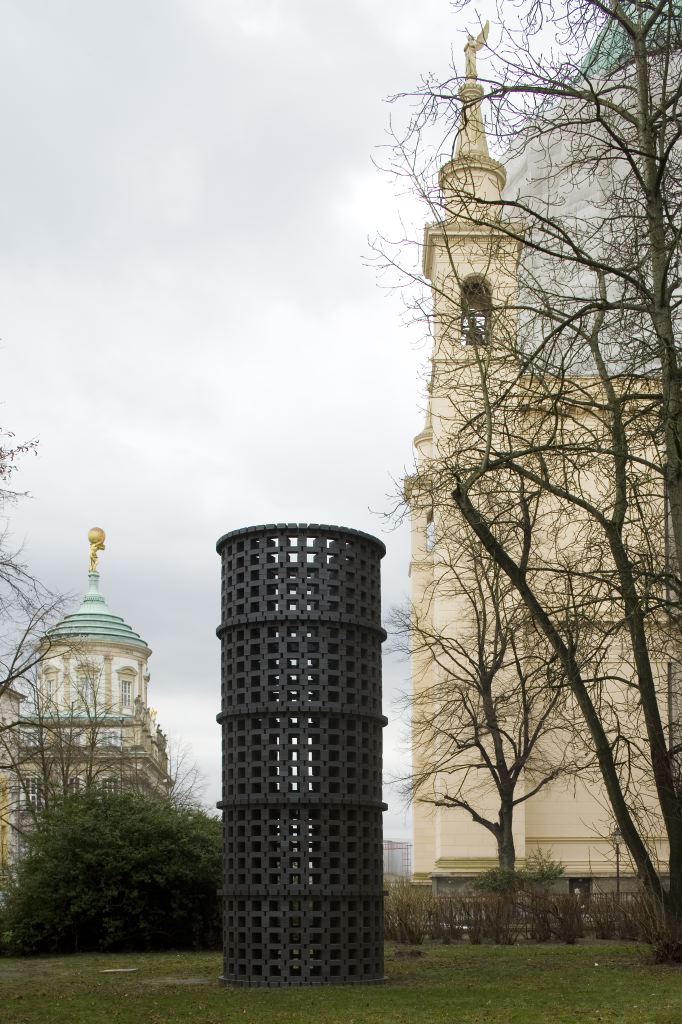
(94,620)
(613,46)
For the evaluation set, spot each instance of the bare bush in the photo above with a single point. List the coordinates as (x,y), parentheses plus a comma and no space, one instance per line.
(474,918)
(538,916)
(408,912)
(604,914)
(503,924)
(447,922)
(648,918)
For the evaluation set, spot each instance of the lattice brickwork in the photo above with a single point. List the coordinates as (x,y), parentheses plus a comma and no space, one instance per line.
(301,718)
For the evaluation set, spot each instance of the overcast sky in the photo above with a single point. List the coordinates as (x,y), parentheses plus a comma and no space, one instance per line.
(187,324)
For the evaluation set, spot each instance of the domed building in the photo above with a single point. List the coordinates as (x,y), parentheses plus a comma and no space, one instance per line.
(87,720)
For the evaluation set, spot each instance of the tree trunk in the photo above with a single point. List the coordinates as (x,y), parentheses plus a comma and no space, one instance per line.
(602,747)
(506,851)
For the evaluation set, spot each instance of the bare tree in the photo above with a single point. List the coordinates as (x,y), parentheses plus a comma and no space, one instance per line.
(488,702)
(27,607)
(186,779)
(56,748)
(576,390)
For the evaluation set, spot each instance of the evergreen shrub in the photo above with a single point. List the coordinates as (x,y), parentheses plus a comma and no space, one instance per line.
(116,872)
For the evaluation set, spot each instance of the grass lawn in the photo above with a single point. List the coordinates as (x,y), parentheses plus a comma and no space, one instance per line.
(459,984)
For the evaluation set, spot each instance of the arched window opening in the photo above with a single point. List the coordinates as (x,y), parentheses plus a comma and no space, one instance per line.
(476,312)
(430,532)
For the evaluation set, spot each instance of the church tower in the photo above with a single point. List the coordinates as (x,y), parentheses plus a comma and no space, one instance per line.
(470,256)
(473,641)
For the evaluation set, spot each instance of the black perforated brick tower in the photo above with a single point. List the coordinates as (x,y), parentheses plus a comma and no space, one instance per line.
(301,719)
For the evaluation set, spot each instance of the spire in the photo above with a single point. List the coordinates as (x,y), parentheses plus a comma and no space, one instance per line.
(93,603)
(472,140)
(472,174)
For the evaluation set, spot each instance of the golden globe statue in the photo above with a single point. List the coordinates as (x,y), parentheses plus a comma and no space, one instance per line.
(96,536)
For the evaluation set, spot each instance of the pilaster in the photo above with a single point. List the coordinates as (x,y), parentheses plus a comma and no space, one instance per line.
(110,699)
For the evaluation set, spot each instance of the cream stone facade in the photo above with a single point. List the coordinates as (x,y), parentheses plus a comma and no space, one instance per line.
(10,713)
(569,820)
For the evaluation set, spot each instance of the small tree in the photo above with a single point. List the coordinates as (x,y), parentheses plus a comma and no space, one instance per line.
(187,781)
(487,698)
(116,872)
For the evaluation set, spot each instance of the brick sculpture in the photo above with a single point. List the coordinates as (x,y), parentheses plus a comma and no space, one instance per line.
(302,750)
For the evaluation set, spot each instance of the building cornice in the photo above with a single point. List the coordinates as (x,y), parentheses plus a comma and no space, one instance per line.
(464,231)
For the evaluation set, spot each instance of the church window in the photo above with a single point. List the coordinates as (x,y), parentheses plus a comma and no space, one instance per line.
(476,303)
(110,786)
